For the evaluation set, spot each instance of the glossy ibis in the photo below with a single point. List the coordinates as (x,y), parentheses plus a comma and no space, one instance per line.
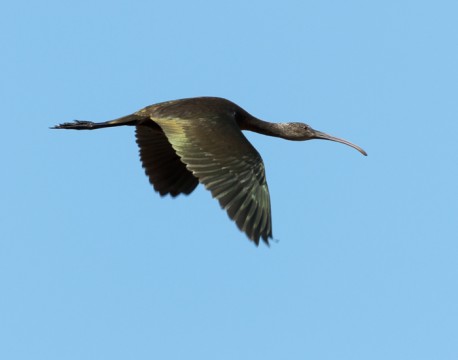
(184,142)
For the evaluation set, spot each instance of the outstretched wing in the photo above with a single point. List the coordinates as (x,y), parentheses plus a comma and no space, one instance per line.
(220,156)
(166,172)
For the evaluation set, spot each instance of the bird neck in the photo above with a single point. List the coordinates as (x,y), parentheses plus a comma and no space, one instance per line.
(263,127)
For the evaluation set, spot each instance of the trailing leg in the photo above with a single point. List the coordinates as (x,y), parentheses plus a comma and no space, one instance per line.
(89,125)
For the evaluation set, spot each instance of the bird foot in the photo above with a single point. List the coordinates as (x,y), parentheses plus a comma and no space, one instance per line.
(75,125)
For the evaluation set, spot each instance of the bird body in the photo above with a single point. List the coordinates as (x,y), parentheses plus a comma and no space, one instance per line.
(184,142)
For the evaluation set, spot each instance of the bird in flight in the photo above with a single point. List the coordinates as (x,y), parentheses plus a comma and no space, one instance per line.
(187,141)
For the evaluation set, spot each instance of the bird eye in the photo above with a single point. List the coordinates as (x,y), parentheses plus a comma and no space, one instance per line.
(237,116)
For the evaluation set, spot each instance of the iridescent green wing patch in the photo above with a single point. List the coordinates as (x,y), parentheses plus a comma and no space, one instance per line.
(219,155)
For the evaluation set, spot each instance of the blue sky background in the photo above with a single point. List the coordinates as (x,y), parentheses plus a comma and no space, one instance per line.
(95,265)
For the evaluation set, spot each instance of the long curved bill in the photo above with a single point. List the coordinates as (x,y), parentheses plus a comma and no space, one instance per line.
(324,136)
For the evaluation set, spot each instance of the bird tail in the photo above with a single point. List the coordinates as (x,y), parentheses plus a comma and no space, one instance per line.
(89,125)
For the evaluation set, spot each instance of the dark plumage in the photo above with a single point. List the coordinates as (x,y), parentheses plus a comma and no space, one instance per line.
(184,142)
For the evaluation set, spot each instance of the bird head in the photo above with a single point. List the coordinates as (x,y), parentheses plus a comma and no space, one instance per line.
(300,132)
